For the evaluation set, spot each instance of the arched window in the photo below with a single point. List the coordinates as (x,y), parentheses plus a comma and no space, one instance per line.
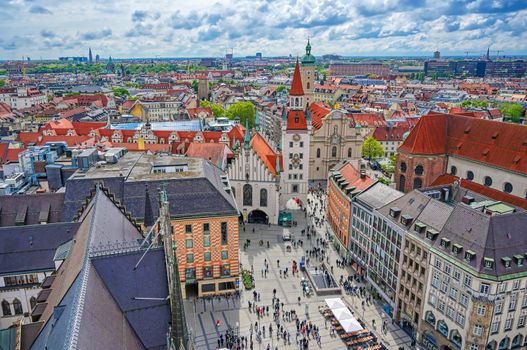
(507,187)
(487,181)
(504,343)
(402,167)
(517,341)
(247,195)
(453,170)
(418,183)
(442,328)
(6,308)
(334,151)
(335,129)
(17,305)
(455,337)
(430,318)
(491,345)
(402,183)
(470,175)
(308,85)
(349,152)
(263,197)
(419,170)
(33,302)
(318,152)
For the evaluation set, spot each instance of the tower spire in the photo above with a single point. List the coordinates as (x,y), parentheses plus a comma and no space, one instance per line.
(247,138)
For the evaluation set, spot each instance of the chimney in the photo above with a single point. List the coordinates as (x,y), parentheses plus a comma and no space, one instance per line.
(363,173)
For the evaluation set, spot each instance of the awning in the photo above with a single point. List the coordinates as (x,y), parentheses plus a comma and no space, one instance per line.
(343,314)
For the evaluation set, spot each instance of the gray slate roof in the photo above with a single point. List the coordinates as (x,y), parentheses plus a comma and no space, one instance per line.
(378,195)
(48,206)
(32,247)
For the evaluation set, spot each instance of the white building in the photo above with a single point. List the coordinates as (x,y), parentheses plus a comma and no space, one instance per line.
(296,136)
(29,254)
(22,97)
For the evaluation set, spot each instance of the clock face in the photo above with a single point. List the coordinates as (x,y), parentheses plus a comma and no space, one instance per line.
(296,137)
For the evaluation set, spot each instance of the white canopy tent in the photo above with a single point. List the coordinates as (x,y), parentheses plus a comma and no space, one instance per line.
(342,313)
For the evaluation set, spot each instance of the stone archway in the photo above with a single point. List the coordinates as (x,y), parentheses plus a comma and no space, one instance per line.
(258,216)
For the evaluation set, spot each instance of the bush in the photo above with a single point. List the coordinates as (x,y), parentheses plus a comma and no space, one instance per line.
(247,280)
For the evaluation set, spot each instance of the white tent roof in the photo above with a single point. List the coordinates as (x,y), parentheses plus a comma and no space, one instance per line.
(343,314)
(350,325)
(335,303)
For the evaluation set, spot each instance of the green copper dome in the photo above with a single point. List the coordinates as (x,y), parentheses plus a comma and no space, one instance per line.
(308,58)
(405,135)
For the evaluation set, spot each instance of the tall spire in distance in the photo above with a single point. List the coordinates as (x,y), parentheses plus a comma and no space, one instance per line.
(247,138)
(90,57)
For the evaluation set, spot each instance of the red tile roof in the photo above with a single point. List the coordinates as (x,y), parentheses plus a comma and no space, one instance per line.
(296,84)
(428,136)
(391,133)
(3,151)
(266,153)
(28,137)
(503,145)
(368,120)
(12,154)
(484,190)
(318,112)
(352,175)
(84,128)
(194,112)
(296,120)
(208,151)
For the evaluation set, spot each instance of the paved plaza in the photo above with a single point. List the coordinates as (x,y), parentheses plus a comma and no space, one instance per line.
(235,314)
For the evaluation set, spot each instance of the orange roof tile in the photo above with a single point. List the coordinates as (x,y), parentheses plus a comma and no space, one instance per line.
(352,175)
(266,153)
(428,136)
(208,151)
(296,120)
(318,112)
(12,154)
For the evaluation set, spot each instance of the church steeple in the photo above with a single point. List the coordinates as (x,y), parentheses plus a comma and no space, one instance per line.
(247,138)
(296,94)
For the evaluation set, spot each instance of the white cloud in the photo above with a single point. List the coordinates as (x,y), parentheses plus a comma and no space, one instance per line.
(133,28)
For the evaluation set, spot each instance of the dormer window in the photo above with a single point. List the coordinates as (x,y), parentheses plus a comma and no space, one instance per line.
(406,220)
(431,234)
(394,212)
(507,262)
(488,263)
(457,248)
(419,227)
(445,243)
(469,255)
(519,259)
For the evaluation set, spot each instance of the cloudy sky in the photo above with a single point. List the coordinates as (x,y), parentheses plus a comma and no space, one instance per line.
(183,28)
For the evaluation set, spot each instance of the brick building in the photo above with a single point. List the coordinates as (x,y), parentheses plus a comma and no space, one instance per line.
(491,153)
(203,212)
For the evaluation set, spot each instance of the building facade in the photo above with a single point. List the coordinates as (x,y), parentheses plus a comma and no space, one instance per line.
(487,152)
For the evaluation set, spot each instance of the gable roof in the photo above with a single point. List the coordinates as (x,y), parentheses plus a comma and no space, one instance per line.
(36,208)
(266,153)
(428,136)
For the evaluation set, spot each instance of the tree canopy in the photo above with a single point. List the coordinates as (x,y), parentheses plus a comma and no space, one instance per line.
(119,91)
(371,148)
(2,83)
(475,104)
(242,110)
(514,111)
(217,109)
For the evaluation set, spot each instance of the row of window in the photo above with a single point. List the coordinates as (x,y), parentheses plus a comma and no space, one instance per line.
(487,180)
(207,256)
(225,271)
(334,152)
(418,170)
(189,243)
(248,196)
(17,307)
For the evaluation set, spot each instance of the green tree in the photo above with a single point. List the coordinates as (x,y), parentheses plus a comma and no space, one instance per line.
(475,104)
(217,109)
(2,83)
(513,111)
(119,91)
(280,88)
(371,148)
(195,85)
(243,110)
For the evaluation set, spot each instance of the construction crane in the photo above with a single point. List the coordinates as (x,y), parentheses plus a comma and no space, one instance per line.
(498,53)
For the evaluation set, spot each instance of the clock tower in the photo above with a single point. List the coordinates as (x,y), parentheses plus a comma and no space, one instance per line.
(296,133)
